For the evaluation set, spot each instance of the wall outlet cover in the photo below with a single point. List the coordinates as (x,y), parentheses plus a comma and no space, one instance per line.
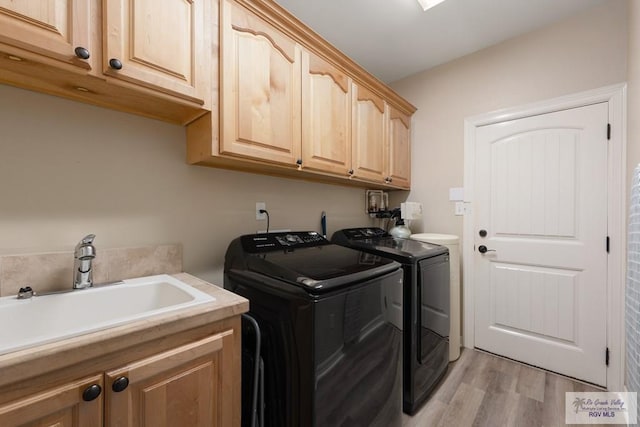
(260,216)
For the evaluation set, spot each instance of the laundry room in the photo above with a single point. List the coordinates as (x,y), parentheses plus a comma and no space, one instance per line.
(268,209)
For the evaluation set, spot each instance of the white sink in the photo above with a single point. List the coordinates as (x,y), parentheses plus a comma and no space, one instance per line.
(43,319)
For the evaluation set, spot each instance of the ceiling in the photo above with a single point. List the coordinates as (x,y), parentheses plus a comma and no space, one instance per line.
(393,39)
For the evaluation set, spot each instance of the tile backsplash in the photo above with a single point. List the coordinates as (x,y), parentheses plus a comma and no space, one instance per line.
(46,272)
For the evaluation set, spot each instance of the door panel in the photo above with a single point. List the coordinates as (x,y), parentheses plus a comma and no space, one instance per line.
(399,148)
(541,195)
(369,135)
(182,386)
(52,28)
(326,116)
(261,98)
(62,406)
(161,47)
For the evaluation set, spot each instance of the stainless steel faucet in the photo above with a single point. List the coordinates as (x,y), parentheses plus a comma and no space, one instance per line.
(84,254)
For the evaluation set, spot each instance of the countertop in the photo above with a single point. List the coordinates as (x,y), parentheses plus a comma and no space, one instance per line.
(35,361)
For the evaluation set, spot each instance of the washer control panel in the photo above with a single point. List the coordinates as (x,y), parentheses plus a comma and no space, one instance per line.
(265,242)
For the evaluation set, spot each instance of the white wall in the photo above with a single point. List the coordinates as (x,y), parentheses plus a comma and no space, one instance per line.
(68,169)
(584,52)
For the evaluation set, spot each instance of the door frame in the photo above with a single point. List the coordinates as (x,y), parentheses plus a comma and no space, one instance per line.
(616,97)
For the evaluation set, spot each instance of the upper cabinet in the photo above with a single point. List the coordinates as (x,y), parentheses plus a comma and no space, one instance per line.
(399,173)
(326,116)
(293,105)
(260,81)
(148,57)
(55,29)
(160,45)
(369,135)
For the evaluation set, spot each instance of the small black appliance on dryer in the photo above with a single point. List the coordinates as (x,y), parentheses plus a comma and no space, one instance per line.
(330,324)
(425,306)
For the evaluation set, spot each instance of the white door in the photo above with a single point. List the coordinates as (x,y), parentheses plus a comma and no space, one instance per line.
(541,197)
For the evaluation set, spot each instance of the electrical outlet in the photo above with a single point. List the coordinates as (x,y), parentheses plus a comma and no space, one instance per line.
(260,216)
(460,210)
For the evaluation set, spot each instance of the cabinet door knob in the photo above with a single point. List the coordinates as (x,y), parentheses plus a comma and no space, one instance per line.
(115,64)
(299,162)
(390,179)
(91,392)
(81,52)
(120,384)
(350,171)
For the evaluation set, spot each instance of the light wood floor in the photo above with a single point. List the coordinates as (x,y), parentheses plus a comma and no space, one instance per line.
(484,390)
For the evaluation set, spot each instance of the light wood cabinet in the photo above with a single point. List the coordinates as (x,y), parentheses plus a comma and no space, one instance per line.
(52,29)
(399,173)
(182,386)
(195,383)
(260,81)
(288,97)
(161,45)
(146,57)
(326,116)
(370,153)
(62,406)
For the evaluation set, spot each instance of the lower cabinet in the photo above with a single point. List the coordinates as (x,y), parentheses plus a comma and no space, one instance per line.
(180,387)
(189,385)
(74,404)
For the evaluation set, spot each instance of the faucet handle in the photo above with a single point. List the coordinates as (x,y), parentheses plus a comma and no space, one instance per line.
(88,239)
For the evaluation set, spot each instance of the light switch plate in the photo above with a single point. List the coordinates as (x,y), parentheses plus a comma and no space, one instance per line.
(456,194)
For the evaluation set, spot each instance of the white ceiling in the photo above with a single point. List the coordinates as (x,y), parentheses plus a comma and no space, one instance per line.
(393,39)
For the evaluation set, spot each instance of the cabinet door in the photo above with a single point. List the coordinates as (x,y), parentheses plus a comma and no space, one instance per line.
(326,116)
(51,28)
(161,45)
(61,406)
(399,149)
(369,135)
(260,81)
(186,386)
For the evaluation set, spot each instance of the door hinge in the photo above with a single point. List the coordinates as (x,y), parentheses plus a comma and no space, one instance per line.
(606,357)
(608,131)
(608,243)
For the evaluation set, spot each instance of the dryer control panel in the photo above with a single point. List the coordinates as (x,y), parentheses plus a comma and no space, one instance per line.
(364,233)
(265,242)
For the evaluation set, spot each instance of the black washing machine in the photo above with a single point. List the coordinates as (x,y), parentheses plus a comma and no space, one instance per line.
(426,306)
(330,320)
